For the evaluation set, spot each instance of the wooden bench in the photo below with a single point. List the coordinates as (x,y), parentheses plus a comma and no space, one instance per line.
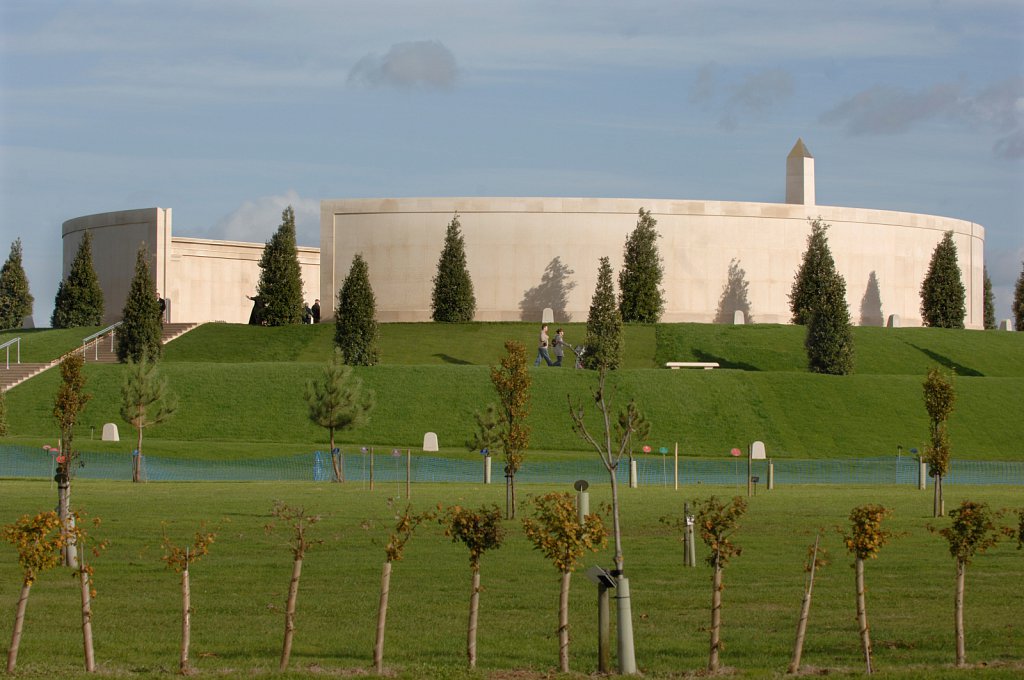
(706,365)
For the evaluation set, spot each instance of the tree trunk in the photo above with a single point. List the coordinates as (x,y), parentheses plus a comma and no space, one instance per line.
(616,530)
(19,624)
(289,614)
(563,623)
(382,615)
(67,522)
(958,614)
(805,610)
(509,505)
(137,460)
(334,458)
(186,620)
(474,610)
(90,657)
(716,617)
(862,615)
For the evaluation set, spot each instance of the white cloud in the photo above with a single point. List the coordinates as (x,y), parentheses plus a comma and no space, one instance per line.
(423,63)
(256,221)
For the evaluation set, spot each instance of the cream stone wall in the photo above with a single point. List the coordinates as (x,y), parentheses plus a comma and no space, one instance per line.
(202,280)
(209,280)
(116,237)
(525,254)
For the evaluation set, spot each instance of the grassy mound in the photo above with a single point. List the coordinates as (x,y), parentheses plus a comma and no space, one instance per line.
(241,388)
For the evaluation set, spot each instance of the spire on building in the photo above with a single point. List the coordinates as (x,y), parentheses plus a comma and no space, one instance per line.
(800,175)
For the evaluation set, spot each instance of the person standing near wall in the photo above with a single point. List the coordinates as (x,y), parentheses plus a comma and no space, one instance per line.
(558,343)
(316,311)
(542,347)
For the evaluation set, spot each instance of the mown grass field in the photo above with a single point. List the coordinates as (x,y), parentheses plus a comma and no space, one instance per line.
(238,590)
(241,388)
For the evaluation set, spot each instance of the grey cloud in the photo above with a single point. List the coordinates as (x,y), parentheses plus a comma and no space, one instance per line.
(757,93)
(1010,147)
(886,110)
(703,88)
(423,63)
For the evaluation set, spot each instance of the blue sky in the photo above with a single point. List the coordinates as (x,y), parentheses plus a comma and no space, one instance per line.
(228,110)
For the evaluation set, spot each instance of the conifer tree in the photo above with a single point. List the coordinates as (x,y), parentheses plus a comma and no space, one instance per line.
(145,402)
(280,285)
(453,300)
(640,294)
(79,300)
(15,298)
(816,268)
(604,323)
(942,291)
(338,402)
(140,329)
(990,302)
(355,322)
(829,339)
(1018,301)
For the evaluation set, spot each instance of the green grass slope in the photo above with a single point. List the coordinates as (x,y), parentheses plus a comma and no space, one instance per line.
(241,388)
(40,345)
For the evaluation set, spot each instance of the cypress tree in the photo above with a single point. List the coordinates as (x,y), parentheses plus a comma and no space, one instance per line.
(1018,301)
(990,302)
(355,322)
(280,285)
(604,323)
(818,300)
(453,300)
(813,275)
(942,291)
(15,298)
(79,300)
(640,295)
(139,334)
(829,339)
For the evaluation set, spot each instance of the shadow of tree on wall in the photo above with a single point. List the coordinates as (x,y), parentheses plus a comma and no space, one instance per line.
(553,291)
(701,355)
(871,304)
(734,296)
(948,363)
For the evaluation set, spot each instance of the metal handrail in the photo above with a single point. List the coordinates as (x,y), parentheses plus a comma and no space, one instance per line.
(96,336)
(7,346)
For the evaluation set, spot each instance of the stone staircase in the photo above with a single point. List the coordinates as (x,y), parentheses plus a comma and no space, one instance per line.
(101,350)
(19,373)
(104,350)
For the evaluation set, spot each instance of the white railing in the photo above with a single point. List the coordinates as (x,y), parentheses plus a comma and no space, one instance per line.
(96,336)
(7,346)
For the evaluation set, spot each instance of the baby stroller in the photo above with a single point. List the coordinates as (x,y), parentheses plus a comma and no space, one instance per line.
(579,351)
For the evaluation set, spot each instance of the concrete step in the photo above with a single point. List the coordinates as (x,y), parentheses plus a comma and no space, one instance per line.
(19,373)
(101,351)
(104,350)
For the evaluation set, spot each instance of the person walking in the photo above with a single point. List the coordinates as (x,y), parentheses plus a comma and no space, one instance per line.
(542,347)
(558,343)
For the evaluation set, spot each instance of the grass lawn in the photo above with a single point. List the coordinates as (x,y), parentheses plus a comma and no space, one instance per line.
(241,391)
(238,590)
